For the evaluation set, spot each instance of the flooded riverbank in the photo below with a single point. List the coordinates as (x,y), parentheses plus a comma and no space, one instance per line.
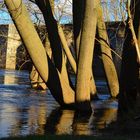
(24,111)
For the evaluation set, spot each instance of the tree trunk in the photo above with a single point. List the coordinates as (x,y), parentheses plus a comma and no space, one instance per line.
(85,56)
(29,35)
(36,81)
(59,88)
(52,29)
(66,49)
(130,82)
(78,13)
(110,71)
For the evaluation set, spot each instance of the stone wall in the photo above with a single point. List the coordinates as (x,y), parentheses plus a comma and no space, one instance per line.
(13,42)
(3,44)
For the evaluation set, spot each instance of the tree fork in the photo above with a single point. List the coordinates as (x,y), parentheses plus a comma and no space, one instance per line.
(59,88)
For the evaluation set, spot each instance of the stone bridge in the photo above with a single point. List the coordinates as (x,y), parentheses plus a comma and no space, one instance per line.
(11,56)
(10,42)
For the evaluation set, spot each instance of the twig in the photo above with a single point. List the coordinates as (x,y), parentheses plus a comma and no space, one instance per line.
(110,49)
(23,64)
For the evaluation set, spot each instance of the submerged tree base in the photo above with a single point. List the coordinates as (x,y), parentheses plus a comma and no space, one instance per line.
(83,107)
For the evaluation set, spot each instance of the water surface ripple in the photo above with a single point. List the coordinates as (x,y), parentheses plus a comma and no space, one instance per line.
(25,111)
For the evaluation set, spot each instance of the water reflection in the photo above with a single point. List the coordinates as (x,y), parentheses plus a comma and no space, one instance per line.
(24,111)
(25,116)
(105,112)
(64,125)
(37,118)
(103,117)
(60,122)
(9,79)
(81,125)
(69,122)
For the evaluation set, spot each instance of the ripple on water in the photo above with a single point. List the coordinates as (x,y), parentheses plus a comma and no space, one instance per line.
(24,111)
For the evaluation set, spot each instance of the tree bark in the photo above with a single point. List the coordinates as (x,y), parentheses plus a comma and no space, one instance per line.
(29,35)
(36,81)
(85,56)
(55,41)
(78,13)
(58,86)
(66,49)
(109,67)
(130,80)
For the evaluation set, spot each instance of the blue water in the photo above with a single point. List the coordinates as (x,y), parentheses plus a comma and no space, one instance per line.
(25,111)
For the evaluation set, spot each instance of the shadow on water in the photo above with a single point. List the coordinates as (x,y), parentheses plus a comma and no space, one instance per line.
(24,111)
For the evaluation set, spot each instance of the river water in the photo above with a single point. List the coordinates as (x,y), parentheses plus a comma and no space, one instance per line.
(25,111)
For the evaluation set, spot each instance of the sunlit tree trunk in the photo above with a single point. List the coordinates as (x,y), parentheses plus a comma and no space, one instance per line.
(36,81)
(138,37)
(109,67)
(29,35)
(85,56)
(55,42)
(67,49)
(58,86)
(78,13)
